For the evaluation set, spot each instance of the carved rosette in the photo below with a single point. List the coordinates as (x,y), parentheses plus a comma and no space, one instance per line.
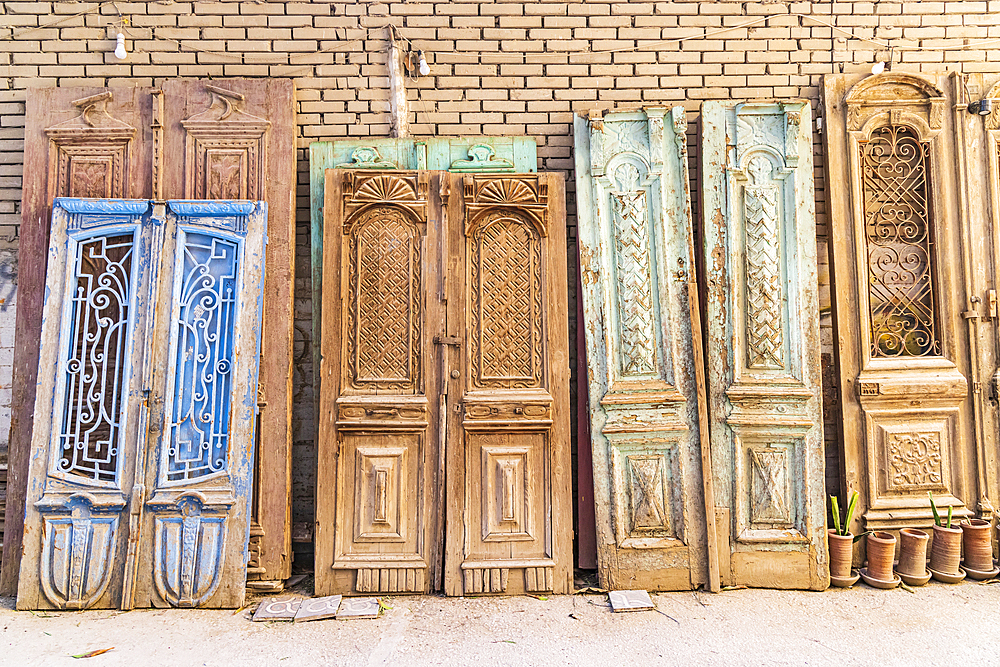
(225,156)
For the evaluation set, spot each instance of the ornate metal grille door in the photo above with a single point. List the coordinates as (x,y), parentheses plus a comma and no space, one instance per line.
(133,500)
(903,296)
(428,263)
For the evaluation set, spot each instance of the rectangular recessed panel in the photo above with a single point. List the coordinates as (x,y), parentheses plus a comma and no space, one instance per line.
(506,502)
(378,509)
(770,497)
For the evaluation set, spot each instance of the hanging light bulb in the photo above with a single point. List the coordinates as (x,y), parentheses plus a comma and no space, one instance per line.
(424,67)
(878,67)
(120,51)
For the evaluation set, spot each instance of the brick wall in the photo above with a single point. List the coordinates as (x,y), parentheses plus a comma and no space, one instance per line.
(496,68)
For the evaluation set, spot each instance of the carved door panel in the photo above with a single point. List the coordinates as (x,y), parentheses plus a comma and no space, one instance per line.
(509,511)
(377,510)
(230,139)
(901,285)
(636,262)
(92,462)
(763,333)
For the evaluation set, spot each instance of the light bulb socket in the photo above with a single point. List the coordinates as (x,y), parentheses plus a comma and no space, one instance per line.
(120,51)
(983,107)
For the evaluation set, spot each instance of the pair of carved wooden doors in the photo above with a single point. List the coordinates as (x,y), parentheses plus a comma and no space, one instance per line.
(915,245)
(143,435)
(444,453)
(707,466)
(233,139)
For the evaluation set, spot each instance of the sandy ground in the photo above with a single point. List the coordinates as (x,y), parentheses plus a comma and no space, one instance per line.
(935,625)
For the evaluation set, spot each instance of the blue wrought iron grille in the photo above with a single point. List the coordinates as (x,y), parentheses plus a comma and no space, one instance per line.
(206,319)
(92,414)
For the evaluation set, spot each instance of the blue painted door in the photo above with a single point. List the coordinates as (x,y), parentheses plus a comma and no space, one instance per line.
(139,482)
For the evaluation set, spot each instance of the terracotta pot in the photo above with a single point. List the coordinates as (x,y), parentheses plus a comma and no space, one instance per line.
(841,553)
(881,551)
(976,545)
(913,552)
(946,551)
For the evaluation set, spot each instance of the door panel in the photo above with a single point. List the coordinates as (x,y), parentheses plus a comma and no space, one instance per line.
(902,297)
(508,449)
(635,260)
(762,329)
(378,442)
(115,510)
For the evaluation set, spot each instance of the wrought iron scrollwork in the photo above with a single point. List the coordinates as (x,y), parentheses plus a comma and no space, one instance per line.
(898,239)
(199,432)
(92,413)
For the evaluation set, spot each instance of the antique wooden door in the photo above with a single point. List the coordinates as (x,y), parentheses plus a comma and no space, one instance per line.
(763,336)
(652,480)
(421,407)
(140,466)
(903,301)
(229,139)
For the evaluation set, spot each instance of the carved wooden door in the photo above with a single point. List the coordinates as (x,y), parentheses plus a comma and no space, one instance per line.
(421,407)
(903,302)
(232,138)
(141,458)
(763,333)
(652,480)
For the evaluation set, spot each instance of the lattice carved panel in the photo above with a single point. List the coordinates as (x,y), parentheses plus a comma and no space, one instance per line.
(385,308)
(506,294)
(633,270)
(764,294)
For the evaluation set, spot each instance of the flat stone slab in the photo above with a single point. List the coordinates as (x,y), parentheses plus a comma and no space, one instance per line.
(316,609)
(630,601)
(281,608)
(358,608)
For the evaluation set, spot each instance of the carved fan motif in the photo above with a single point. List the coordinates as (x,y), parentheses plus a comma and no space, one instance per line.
(385,188)
(506,191)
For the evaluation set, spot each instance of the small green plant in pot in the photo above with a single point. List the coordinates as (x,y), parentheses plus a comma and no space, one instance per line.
(841,543)
(946,549)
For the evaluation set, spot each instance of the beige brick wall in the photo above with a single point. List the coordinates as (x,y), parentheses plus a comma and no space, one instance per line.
(497,67)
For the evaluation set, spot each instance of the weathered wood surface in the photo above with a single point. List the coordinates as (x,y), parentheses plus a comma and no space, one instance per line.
(463,154)
(235,138)
(635,261)
(83,149)
(235,159)
(905,292)
(762,326)
(439,367)
(509,485)
(140,462)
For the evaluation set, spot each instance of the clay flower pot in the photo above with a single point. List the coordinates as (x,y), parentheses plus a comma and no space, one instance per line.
(976,545)
(912,553)
(912,566)
(881,552)
(946,551)
(841,553)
